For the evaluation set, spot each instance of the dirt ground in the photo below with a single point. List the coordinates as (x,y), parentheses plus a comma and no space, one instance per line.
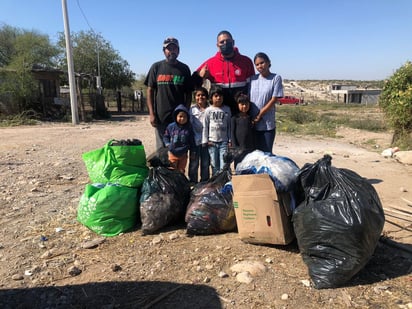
(47,260)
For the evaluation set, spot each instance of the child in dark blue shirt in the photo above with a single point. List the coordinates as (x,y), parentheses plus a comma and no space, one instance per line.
(242,127)
(179,138)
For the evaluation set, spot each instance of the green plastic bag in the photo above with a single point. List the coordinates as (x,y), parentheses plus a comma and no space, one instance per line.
(96,164)
(129,155)
(109,209)
(124,164)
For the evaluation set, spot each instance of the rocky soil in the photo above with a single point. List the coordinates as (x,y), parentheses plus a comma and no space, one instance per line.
(49,260)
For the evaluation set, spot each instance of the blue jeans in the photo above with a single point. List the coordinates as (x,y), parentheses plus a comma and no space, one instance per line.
(217,152)
(265,140)
(202,155)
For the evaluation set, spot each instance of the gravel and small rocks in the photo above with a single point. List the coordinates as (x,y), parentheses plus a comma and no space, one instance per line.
(49,260)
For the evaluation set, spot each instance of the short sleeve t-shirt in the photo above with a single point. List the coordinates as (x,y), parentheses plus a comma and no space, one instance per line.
(171,83)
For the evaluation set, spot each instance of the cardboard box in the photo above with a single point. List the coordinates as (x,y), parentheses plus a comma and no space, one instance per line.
(262,216)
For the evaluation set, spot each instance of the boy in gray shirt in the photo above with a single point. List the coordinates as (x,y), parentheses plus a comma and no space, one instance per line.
(216,129)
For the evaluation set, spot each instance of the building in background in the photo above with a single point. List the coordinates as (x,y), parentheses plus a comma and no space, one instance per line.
(351,94)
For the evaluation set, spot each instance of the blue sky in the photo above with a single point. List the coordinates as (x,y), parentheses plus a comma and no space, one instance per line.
(318,39)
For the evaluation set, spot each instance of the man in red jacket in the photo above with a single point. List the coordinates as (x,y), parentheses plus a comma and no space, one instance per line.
(227,69)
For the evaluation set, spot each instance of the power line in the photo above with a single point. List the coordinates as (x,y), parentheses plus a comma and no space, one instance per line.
(84,15)
(98,80)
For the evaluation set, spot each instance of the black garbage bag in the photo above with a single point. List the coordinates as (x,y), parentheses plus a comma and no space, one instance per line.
(159,158)
(164,198)
(339,223)
(210,210)
(235,154)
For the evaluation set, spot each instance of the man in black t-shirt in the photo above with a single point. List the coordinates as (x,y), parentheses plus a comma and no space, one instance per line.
(168,85)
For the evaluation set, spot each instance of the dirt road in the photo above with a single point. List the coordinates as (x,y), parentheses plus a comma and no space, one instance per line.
(43,264)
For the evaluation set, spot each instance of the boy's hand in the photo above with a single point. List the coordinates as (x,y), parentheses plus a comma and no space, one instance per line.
(204,72)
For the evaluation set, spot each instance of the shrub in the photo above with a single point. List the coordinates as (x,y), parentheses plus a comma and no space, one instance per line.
(396,102)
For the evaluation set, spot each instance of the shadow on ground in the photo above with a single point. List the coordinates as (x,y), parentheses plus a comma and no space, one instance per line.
(127,116)
(150,294)
(390,260)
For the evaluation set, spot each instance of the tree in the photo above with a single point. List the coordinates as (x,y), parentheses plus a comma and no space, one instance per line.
(7,49)
(396,102)
(139,82)
(21,51)
(92,52)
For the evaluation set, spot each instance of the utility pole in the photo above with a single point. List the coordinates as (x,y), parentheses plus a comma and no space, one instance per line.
(98,77)
(70,65)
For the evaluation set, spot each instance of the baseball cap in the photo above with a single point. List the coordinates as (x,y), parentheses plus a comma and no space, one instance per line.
(169,41)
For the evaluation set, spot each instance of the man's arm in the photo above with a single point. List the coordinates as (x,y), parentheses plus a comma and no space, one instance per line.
(150,108)
(188,98)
